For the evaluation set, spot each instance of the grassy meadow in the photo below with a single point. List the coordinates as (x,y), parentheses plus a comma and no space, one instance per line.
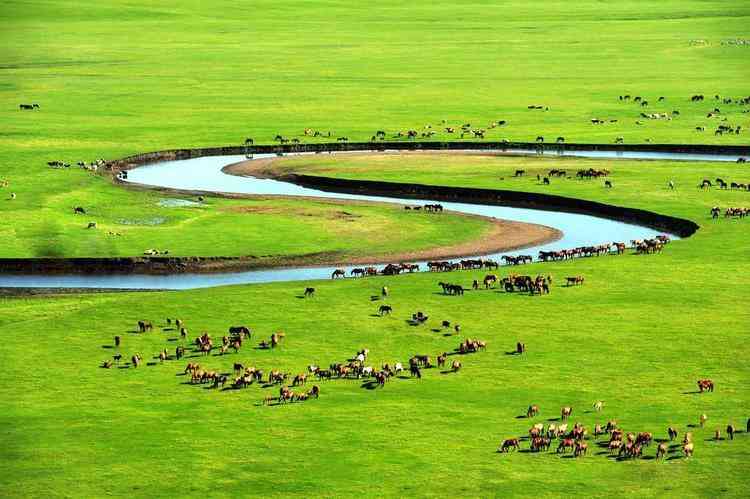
(117,78)
(637,335)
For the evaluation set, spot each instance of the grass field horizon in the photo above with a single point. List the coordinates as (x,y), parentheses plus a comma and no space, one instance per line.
(120,78)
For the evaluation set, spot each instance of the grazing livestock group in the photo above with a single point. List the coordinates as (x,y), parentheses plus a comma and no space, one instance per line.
(619,445)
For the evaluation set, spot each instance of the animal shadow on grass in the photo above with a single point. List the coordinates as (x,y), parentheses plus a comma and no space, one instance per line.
(403,377)
(301,297)
(127,366)
(374,298)
(513,352)
(369,385)
(171,339)
(107,346)
(691,393)
(375,315)
(554,419)
(602,453)
(167,329)
(521,416)
(152,363)
(672,458)
(692,425)
(436,330)
(648,458)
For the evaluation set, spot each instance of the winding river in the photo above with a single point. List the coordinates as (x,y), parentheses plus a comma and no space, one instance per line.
(205,174)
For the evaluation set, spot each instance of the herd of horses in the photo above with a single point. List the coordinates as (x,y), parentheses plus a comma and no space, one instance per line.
(429,208)
(467,130)
(619,445)
(243,376)
(644,246)
(722,184)
(735,212)
(721,128)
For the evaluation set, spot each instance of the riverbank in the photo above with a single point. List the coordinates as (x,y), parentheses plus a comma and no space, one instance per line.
(274,168)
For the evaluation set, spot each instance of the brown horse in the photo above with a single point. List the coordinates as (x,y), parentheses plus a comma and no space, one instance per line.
(508,445)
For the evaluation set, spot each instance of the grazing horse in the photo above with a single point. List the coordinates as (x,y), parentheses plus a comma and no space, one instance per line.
(574,281)
(565,444)
(705,385)
(490,280)
(661,450)
(672,433)
(687,449)
(79,209)
(565,412)
(385,309)
(520,348)
(144,326)
(532,411)
(456,366)
(508,445)
(338,273)
(309,292)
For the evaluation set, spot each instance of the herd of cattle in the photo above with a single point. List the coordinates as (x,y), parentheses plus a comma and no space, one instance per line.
(615,443)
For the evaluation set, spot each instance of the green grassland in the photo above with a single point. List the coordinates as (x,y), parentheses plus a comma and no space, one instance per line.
(637,335)
(117,78)
(271,229)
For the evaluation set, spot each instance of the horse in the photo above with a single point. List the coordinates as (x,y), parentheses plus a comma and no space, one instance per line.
(385,310)
(338,273)
(309,292)
(509,444)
